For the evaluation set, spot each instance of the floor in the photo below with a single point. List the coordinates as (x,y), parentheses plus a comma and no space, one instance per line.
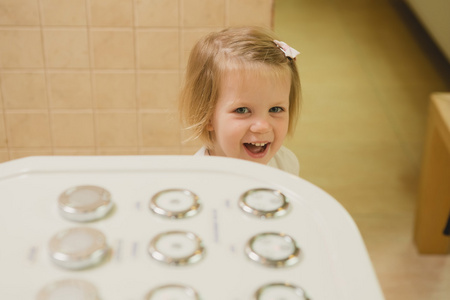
(367,69)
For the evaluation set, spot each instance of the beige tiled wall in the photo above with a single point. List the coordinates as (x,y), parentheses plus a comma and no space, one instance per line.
(101,77)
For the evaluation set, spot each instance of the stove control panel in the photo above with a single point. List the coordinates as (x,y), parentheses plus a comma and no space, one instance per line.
(174,227)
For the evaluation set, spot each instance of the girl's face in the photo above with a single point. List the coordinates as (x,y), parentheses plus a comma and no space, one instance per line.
(251,117)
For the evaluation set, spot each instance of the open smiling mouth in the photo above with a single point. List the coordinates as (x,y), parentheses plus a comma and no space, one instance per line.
(256,148)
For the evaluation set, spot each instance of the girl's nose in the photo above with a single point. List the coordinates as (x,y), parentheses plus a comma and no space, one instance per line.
(260,125)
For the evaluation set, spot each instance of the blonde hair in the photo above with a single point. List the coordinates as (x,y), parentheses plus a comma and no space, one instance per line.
(241,48)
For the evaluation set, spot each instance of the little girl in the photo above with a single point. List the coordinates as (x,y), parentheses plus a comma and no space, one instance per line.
(241,96)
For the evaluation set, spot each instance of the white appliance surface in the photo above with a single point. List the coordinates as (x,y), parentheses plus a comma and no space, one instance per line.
(333,262)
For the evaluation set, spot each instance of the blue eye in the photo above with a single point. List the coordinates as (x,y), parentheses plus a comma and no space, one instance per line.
(242,110)
(276,109)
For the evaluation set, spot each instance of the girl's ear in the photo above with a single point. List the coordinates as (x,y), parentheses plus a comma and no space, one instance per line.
(210,127)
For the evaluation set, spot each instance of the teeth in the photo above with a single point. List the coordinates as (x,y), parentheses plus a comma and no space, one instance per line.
(258,144)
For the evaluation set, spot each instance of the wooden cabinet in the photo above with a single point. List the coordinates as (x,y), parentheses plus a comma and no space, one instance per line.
(433,207)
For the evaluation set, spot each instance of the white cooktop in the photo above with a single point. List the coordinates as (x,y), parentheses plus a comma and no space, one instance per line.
(174,227)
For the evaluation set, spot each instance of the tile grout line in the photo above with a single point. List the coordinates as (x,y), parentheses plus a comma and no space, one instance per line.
(46,76)
(180,65)
(91,73)
(137,84)
(7,135)
(226,17)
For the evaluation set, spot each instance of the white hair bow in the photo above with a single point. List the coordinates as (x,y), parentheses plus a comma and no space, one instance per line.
(288,51)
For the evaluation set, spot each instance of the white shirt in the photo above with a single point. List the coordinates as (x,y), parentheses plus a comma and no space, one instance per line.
(284,160)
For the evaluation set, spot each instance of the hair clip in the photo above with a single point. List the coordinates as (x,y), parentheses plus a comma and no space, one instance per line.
(288,51)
